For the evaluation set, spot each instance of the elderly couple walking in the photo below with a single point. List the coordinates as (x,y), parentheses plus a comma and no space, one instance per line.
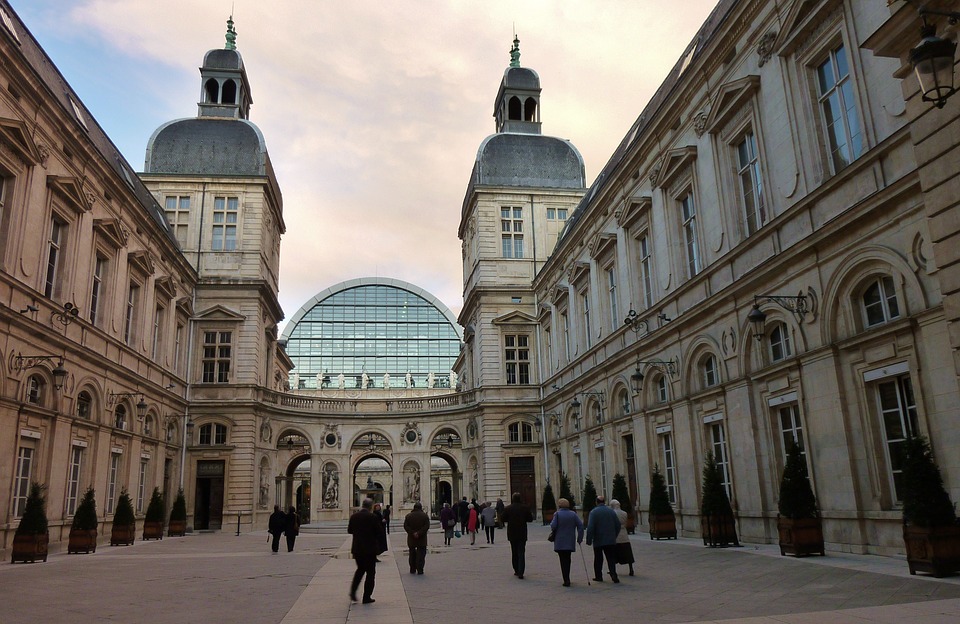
(603,531)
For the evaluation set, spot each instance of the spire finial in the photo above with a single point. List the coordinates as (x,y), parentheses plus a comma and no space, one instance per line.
(515,52)
(231,35)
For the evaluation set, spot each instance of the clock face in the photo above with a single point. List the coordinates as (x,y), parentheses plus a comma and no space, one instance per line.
(411,436)
(330,439)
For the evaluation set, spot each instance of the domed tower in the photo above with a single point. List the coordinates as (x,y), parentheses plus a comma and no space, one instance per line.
(213,176)
(523,187)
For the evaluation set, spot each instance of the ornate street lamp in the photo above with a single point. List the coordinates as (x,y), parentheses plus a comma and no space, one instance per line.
(933,60)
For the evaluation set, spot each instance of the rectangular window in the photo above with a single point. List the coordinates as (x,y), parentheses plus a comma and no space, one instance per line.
(579,476)
(718,441)
(73,479)
(112,482)
(645,271)
(585,302)
(96,289)
(898,410)
(141,484)
(791,431)
(751,184)
(21,483)
(688,214)
(669,467)
(158,319)
(602,457)
(551,214)
(54,249)
(177,209)
(517,359)
(565,321)
(225,211)
(841,122)
(130,318)
(612,290)
(216,356)
(511,231)
(179,342)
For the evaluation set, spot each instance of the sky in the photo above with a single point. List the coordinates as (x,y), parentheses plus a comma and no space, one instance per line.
(372,111)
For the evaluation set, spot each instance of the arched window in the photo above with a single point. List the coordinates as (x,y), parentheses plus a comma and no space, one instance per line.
(879,302)
(780,342)
(514,108)
(171,433)
(520,432)
(229,93)
(661,392)
(84,405)
(213,434)
(624,401)
(212,89)
(148,428)
(120,417)
(530,110)
(36,386)
(711,373)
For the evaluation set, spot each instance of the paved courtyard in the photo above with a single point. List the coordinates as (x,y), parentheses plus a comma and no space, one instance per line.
(214,578)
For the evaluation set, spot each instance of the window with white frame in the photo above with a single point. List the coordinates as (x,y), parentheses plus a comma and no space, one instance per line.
(225,210)
(131,314)
(646,264)
(780,348)
(612,296)
(558,214)
(579,475)
(73,479)
(84,405)
(141,484)
(669,466)
(597,413)
(120,417)
(711,373)
(751,183)
(96,287)
(36,386)
(688,216)
(791,430)
(602,460)
(838,109)
(511,231)
(520,432)
(178,347)
(879,302)
(898,413)
(158,321)
(625,407)
(517,359)
(54,252)
(213,434)
(21,481)
(585,306)
(576,420)
(177,209)
(661,389)
(565,324)
(112,478)
(216,356)
(718,444)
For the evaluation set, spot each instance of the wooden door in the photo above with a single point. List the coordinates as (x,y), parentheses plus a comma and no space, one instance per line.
(523,479)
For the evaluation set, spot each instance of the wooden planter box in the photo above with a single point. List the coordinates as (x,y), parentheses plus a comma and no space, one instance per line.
(801,537)
(935,550)
(719,530)
(29,548)
(177,528)
(663,527)
(548,515)
(82,540)
(153,530)
(123,535)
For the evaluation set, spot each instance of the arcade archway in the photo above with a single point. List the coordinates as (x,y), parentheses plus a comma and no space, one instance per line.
(294,487)
(372,470)
(444,472)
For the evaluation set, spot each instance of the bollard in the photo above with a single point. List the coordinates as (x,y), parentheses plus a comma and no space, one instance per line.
(238,524)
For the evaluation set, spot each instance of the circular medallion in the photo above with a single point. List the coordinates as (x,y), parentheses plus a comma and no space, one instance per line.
(411,436)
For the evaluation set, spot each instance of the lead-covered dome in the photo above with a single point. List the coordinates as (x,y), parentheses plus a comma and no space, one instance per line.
(207,146)
(507,159)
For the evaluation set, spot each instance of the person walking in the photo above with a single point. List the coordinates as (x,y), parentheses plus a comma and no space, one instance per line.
(386,518)
(463,514)
(602,529)
(567,530)
(275,526)
(416,524)
(500,508)
(448,521)
(472,522)
(624,549)
(291,527)
(378,512)
(366,530)
(516,515)
(489,518)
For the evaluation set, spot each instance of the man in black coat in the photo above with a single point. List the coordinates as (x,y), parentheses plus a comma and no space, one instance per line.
(278,520)
(463,514)
(516,516)
(365,529)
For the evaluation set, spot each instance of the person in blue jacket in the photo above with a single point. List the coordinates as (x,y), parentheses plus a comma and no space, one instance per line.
(567,529)
(602,529)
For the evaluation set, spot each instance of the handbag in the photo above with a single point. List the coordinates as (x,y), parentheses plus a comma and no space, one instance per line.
(553,535)
(456,533)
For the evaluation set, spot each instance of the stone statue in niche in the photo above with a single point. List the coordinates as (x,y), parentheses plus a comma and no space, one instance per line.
(331,487)
(411,484)
(264,489)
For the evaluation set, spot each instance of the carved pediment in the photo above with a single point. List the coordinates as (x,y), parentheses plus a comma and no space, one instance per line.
(514,318)
(543,312)
(730,99)
(602,243)
(15,133)
(70,190)
(167,286)
(111,231)
(185,306)
(220,313)
(803,19)
(141,261)
(560,293)
(579,271)
(636,208)
(675,162)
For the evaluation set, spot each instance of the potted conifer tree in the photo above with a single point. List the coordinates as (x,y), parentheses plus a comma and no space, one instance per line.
(798,523)
(31,540)
(178,516)
(716,516)
(931,533)
(548,505)
(124,530)
(589,497)
(153,521)
(565,490)
(83,530)
(663,522)
(622,494)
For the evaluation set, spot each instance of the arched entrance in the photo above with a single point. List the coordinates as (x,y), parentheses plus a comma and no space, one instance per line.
(294,487)
(372,471)
(444,473)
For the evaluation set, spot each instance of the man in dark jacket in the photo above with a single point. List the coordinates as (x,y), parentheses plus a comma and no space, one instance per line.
(602,528)
(365,529)
(516,516)
(291,526)
(416,524)
(463,513)
(278,521)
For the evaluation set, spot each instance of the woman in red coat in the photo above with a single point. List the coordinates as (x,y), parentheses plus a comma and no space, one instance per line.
(472,523)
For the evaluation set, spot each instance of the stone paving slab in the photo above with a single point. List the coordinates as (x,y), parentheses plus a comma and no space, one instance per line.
(212,578)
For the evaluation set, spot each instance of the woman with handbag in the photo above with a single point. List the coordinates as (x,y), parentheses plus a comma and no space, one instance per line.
(489,517)
(624,549)
(448,520)
(566,531)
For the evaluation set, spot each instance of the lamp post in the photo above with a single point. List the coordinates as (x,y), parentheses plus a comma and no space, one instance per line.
(667,366)
(575,404)
(141,404)
(791,303)
(24,362)
(933,60)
